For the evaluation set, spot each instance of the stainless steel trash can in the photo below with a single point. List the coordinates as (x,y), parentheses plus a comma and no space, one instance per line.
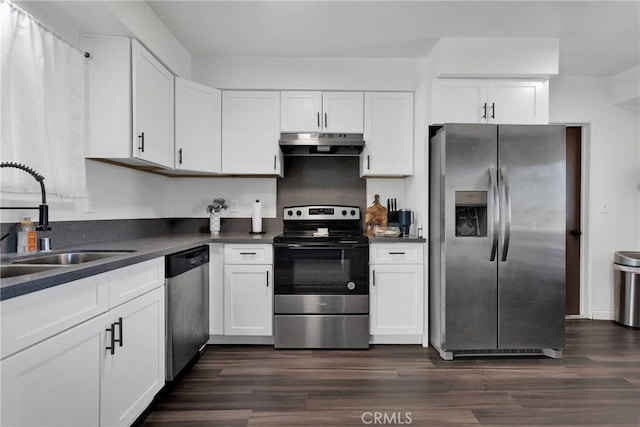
(626,282)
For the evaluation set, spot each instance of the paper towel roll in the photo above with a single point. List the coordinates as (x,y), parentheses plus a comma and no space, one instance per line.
(256,217)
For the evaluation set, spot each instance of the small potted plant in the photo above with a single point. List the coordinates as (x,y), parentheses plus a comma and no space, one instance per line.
(214,210)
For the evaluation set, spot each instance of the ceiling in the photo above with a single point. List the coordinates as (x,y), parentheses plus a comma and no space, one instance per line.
(597,38)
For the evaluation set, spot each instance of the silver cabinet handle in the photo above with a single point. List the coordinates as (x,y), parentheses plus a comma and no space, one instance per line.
(368,162)
(141,140)
(267,279)
(325,120)
(275,157)
(493,110)
(374,277)
(495,212)
(180,156)
(318,118)
(484,111)
(507,212)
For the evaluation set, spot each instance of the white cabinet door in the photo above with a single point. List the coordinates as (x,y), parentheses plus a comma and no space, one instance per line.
(343,112)
(198,127)
(153,138)
(248,300)
(136,371)
(459,101)
(301,111)
(396,299)
(490,101)
(57,381)
(388,134)
(518,102)
(250,133)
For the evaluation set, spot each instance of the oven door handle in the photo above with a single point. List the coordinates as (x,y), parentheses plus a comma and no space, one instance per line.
(324,246)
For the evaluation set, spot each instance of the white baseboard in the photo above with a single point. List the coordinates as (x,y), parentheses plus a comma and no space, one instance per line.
(396,339)
(240,340)
(602,314)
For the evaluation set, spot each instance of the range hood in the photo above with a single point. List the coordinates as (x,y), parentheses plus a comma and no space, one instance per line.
(321,144)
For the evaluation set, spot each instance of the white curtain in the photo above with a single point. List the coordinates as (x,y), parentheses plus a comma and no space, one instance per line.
(42,109)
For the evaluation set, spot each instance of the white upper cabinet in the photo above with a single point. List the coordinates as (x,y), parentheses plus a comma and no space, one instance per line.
(316,111)
(250,133)
(131,103)
(198,127)
(388,134)
(490,101)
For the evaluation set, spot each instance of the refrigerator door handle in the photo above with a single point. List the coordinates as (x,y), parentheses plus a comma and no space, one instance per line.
(504,177)
(495,211)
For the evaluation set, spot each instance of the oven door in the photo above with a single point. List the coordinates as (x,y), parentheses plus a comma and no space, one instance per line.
(321,269)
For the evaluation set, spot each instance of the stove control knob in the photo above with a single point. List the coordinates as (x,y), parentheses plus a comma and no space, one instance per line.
(298,213)
(290,213)
(353,212)
(344,213)
(351,286)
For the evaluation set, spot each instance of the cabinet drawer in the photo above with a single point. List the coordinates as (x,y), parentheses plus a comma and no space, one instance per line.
(402,253)
(33,317)
(129,282)
(248,254)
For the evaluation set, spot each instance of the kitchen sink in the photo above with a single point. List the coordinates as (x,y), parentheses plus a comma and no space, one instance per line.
(70,258)
(12,270)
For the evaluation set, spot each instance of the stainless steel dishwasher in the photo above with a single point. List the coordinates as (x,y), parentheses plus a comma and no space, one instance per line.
(187,307)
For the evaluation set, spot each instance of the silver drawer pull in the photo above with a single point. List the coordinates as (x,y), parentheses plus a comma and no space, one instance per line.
(248,253)
(397,253)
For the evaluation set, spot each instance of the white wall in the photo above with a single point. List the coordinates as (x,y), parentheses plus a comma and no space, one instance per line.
(307,73)
(613,170)
(495,58)
(116,192)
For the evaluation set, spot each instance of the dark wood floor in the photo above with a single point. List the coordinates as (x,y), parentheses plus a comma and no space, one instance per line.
(597,383)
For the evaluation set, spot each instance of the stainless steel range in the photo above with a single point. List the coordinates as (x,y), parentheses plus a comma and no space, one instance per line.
(321,283)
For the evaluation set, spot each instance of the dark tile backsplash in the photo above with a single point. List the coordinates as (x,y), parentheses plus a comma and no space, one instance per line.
(321,180)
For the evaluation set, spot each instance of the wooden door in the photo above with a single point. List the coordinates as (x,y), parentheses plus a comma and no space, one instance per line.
(573,236)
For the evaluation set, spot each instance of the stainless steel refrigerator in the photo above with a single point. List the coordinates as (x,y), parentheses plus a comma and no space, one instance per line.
(497,239)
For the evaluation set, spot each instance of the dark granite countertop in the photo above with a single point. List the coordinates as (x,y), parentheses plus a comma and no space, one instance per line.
(403,239)
(144,249)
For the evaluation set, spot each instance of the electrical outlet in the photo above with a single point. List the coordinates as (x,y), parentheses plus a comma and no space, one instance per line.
(233,206)
(604,208)
(89,207)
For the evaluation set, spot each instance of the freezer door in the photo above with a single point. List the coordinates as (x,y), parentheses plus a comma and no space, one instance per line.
(531,288)
(469,282)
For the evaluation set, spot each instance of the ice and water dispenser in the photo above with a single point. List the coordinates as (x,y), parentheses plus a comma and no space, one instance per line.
(471,213)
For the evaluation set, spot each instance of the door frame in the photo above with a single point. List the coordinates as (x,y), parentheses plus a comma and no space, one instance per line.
(586,286)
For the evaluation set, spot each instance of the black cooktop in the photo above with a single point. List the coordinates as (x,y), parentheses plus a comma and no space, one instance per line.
(312,236)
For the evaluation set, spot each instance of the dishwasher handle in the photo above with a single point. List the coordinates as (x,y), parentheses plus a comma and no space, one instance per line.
(181,262)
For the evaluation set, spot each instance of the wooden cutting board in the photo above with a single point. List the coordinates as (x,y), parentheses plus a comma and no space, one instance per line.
(376,214)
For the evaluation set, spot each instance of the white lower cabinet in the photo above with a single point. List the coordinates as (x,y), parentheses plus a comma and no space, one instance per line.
(248,300)
(396,293)
(135,372)
(72,377)
(57,381)
(248,289)
(396,299)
